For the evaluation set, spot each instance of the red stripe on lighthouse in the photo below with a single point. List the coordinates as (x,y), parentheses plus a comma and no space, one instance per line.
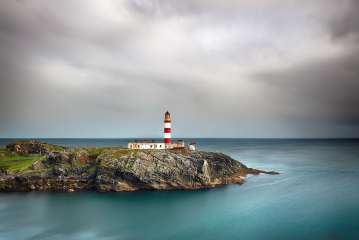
(167,130)
(167,140)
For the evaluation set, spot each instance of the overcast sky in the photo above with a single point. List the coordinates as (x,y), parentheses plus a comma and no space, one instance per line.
(256,68)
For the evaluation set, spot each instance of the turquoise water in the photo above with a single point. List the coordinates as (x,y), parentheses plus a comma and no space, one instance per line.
(315,197)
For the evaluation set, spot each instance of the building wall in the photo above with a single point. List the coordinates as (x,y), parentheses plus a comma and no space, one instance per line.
(134,145)
(139,145)
(192,147)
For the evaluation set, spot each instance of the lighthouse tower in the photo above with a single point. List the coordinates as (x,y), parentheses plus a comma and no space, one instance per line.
(167,129)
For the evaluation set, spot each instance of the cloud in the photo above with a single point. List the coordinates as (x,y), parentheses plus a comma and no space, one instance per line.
(346,23)
(106,67)
(324,92)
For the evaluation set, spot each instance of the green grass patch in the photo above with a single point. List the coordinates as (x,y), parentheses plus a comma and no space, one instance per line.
(12,162)
(121,152)
(3,151)
(92,169)
(94,152)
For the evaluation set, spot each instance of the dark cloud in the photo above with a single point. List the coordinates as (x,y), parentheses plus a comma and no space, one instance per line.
(346,24)
(321,92)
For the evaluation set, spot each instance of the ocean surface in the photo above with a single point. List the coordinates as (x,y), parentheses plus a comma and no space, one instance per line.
(316,196)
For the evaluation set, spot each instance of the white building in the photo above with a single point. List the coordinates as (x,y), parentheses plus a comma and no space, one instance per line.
(155,145)
(146,145)
(192,146)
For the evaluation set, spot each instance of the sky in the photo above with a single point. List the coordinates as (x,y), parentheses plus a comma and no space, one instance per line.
(229,68)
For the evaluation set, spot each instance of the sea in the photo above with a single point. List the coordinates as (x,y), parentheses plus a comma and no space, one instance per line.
(316,196)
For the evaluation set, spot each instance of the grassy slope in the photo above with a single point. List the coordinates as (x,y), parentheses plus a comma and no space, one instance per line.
(14,162)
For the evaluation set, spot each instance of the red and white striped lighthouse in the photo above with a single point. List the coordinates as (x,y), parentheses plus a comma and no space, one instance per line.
(167,129)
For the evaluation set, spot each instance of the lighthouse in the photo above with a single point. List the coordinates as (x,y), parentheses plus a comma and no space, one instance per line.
(167,129)
(166,144)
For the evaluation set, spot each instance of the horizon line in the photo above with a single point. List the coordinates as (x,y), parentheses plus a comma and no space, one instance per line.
(181,138)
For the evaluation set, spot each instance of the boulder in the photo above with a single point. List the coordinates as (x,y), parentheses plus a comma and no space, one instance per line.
(82,157)
(32,147)
(165,169)
(58,157)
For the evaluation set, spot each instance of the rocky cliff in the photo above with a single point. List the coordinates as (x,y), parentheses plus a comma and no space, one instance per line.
(56,168)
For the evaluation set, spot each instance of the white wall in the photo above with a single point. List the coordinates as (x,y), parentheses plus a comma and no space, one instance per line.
(146,145)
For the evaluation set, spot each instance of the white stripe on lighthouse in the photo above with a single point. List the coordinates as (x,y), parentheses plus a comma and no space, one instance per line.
(167,135)
(167,125)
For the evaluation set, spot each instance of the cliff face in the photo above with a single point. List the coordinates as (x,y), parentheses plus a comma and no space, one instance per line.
(115,169)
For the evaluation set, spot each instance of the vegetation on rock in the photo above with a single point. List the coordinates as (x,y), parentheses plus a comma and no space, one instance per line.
(13,162)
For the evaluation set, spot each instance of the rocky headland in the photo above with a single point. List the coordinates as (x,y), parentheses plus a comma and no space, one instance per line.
(36,166)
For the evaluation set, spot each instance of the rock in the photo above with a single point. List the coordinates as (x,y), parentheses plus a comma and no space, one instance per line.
(117,169)
(59,171)
(57,157)
(167,169)
(32,147)
(82,156)
(3,171)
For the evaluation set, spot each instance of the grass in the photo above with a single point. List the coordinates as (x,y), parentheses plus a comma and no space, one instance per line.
(94,152)
(92,169)
(112,156)
(12,162)
(118,153)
